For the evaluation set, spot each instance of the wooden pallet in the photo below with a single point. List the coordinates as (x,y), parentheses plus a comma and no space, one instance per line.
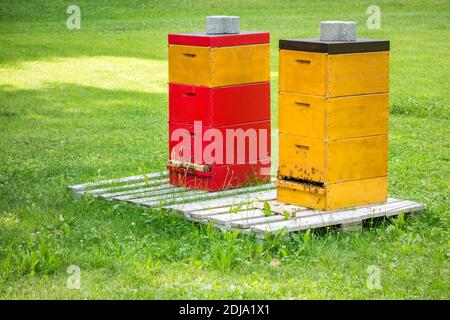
(237,209)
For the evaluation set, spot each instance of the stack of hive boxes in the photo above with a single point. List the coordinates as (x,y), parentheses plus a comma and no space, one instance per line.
(219,86)
(333,119)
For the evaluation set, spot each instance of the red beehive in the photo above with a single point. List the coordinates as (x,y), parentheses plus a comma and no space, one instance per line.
(219,110)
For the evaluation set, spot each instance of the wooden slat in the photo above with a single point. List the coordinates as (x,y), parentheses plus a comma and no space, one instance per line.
(166,198)
(327,219)
(162,193)
(228,201)
(227,218)
(321,217)
(280,208)
(247,223)
(207,212)
(149,176)
(135,191)
(412,207)
(127,188)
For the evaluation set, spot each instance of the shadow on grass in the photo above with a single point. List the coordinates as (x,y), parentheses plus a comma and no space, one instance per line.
(78,133)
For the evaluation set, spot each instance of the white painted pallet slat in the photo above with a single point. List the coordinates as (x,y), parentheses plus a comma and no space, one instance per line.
(227,218)
(164,194)
(119,194)
(209,212)
(304,220)
(126,188)
(148,194)
(148,176)
(222,202)
(236,209)
(247,223)
(338,217)
(167,198)
(242,205)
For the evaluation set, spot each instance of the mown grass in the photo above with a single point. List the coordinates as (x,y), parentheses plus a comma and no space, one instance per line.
(89,104)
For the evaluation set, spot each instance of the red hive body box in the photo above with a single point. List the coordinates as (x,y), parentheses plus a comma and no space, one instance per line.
(242,111)
(221,177)
(219,106)
(256,137)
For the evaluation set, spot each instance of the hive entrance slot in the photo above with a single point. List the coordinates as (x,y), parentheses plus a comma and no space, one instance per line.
(189,55)
(303,181)
(302,61)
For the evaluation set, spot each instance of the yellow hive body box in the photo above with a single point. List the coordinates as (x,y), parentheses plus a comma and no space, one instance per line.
(333,196)
(219,66)
(333,75)
(330,161)
(333,118)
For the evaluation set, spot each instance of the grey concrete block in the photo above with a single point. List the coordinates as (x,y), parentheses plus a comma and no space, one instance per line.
(338,31)
(222,24)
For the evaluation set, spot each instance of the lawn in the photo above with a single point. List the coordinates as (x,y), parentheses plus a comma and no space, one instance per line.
(89,104)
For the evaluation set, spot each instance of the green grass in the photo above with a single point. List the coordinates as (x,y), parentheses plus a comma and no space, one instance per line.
(89,104)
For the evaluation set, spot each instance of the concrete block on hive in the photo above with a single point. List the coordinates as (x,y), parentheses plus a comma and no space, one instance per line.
(337,31)
(222,24)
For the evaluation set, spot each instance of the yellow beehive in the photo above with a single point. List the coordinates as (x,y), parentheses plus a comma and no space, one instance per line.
(219,66)
(333,123)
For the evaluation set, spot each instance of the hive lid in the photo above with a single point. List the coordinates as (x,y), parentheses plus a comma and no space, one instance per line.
(335,47)
(203,39)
